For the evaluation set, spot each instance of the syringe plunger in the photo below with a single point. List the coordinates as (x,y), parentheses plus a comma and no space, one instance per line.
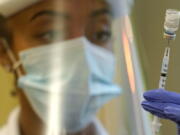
(171,24)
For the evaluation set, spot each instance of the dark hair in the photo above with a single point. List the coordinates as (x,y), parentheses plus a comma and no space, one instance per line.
(4,31)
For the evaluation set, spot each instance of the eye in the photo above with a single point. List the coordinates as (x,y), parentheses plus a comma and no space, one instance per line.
(50,36)
(102,36)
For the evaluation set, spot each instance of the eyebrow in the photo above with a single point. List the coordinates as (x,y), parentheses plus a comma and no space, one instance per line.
(99,12)
(49,13)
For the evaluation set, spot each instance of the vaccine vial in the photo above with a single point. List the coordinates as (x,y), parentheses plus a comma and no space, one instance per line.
(171,24)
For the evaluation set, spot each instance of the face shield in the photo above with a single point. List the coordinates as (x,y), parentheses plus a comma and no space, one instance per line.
(75,66)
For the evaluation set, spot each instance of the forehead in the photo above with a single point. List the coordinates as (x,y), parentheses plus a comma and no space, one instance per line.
(76,8)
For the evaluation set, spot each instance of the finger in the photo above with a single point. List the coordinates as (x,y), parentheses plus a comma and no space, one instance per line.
(173,113)
(153,111)
(153,106)
(163,96)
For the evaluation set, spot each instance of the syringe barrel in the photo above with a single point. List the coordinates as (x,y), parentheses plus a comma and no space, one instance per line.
(171,24)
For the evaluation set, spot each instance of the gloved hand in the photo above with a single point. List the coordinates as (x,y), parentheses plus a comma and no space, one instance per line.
(164,104)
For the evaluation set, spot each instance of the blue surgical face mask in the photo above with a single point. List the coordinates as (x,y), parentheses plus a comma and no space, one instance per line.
(68,81)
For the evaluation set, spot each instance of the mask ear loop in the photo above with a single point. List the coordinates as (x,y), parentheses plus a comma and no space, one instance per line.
(16,64)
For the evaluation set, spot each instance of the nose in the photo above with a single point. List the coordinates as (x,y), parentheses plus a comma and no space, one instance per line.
(78,23)
(77,29)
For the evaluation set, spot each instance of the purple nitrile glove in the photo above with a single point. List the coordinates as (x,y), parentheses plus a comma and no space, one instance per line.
(164,104)
(161,95)
(163,110)
(173,114)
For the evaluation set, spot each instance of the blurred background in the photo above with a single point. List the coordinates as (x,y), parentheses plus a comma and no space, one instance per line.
(8,102)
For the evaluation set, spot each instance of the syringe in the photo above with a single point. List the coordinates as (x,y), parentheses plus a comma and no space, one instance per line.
(171,25)
(162,82)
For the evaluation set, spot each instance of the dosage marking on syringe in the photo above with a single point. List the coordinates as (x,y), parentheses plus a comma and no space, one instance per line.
(163,74)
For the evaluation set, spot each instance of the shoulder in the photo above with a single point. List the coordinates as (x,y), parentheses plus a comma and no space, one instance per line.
(3,130)
(11,127)
(99,127)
